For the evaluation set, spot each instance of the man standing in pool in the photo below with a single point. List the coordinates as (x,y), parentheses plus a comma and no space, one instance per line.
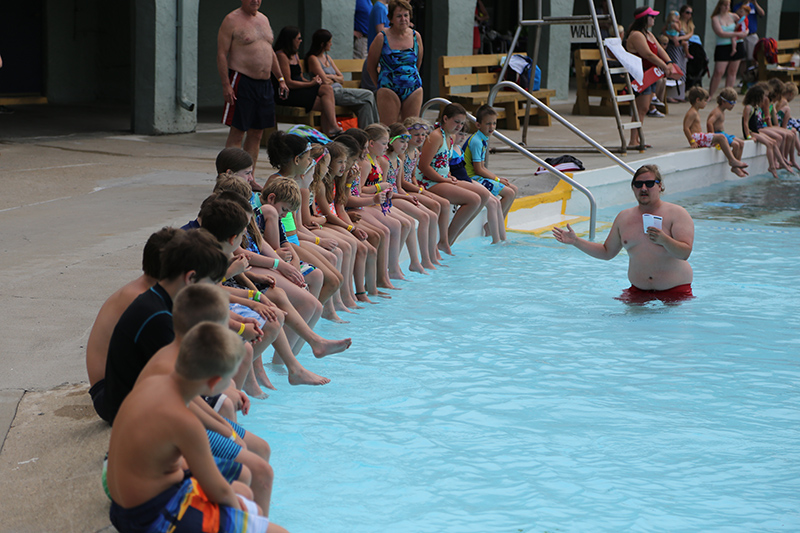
(658,237)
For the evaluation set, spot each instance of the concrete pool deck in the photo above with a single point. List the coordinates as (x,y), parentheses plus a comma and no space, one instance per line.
(81,196)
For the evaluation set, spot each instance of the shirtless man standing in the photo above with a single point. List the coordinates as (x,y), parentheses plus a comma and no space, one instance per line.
(658,268)
(245,60)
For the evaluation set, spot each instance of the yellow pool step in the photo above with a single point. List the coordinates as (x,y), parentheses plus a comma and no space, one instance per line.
(538,214)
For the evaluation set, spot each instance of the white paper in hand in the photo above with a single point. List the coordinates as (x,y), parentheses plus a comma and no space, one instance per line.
(649,220)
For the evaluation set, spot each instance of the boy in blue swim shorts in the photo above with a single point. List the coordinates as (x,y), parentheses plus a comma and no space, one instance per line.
(715,123)
(155,438)
(475,159)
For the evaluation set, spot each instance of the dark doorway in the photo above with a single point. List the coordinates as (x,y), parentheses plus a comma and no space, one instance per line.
(22,49)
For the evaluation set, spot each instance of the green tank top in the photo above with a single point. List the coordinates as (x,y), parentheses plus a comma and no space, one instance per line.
(288,223)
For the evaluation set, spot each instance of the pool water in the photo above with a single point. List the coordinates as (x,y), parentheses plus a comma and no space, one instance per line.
(512,393)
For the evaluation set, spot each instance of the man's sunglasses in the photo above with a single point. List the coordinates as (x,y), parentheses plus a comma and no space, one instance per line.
(650,183)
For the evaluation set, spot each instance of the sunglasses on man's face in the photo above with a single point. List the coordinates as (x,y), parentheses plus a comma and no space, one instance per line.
(650,183)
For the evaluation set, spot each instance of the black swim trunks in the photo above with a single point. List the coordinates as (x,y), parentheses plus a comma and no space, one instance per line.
(254,107)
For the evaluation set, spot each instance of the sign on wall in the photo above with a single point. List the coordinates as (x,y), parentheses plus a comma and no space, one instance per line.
(582,33)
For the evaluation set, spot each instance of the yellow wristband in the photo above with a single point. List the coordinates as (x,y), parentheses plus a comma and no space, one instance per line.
(224,280)
(241,329)
(350,228)
(316,241)
(250,295)
(281,79)
(421,189)
(234,435)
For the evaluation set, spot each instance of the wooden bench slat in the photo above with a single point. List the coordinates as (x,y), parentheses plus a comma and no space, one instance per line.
(511,105)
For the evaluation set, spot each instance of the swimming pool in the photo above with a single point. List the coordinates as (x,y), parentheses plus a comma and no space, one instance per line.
(511,392)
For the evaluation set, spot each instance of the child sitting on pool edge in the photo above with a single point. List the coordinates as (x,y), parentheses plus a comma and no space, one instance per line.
(698,98)
(715,123)
(147,475)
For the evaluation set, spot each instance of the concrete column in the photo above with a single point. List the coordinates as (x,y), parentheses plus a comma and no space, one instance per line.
(769,26)
(448,33)
(554,45)
(336,16)
(156,108)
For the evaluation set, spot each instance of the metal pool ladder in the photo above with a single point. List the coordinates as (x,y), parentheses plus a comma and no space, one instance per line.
(541,162)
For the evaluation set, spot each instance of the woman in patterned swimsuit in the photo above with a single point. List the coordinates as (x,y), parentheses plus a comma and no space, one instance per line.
(398,50)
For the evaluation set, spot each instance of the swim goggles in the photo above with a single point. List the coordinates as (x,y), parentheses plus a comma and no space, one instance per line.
(402,136)
(417,126)
(650,183)
(728,101)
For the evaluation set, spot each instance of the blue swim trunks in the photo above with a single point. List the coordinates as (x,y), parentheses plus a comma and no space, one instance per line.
(493,186)
(727,136)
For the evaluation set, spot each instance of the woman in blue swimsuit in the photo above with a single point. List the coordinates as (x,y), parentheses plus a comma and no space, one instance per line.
(398,51)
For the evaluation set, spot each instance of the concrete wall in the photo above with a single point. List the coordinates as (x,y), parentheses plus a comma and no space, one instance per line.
(156,110)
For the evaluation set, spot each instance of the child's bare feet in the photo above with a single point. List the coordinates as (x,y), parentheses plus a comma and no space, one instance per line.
(362,297)
(306,377)
(398,275)
(254,391)
(418,268)
(261,379)
(738,164)
(381,294)
(445,248)
(739,172)
(327,347)
(771,171)
(429,265)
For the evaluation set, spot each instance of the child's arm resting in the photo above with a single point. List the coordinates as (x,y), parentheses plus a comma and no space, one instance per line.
(190,437)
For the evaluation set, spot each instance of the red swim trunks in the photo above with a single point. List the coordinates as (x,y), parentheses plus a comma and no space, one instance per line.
(635,295)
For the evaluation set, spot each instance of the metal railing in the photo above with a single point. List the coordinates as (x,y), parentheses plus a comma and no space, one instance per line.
(533,157)
(543,107)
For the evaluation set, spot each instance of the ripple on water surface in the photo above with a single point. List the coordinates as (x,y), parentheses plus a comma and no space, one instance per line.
(511,392)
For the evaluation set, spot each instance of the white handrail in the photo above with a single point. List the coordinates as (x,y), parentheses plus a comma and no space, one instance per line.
(541,162)
(562,120)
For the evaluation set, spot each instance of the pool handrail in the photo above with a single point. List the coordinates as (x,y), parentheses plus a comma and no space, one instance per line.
(534,157)
(544,107)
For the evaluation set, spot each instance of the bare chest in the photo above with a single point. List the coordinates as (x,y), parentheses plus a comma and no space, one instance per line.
(253,32)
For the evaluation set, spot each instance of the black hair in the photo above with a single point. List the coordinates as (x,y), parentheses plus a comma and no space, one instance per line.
(755,95)
(360,136)
(195,249)
(224,218)
(233,159)
(151,256)
(283,147)
(318,41)
(284,42)
(351,143)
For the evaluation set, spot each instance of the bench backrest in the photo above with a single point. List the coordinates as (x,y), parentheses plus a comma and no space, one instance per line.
(479,76)
(351,70)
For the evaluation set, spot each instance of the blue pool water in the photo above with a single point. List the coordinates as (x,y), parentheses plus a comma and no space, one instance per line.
(512,393)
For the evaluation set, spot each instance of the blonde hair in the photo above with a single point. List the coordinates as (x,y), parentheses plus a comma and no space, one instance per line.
(790,88)
(729,94)
(284,189)
(209,350)
(197,303)
(376,131)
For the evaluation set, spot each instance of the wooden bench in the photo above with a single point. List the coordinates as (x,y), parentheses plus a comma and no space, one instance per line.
(298,115)
(480,81)
(585,60)
(782,69)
